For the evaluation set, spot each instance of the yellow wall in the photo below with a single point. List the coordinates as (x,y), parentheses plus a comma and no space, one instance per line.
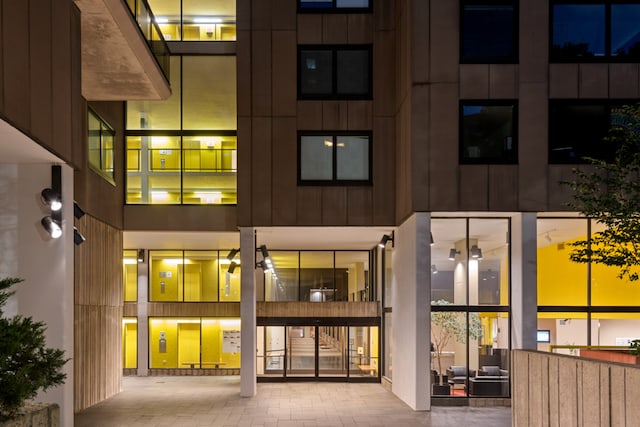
(130,282)
(169,359)
(188,344)
(129,344)
(210,280)
(171,290)
(192,282)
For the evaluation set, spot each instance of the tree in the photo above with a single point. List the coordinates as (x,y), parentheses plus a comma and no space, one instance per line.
(451,324)
(610,194)
(26,364)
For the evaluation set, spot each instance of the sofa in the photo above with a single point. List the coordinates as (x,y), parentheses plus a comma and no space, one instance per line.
(458,375)
(490,381)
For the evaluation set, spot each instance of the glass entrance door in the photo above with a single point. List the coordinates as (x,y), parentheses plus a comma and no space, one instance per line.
(301,350)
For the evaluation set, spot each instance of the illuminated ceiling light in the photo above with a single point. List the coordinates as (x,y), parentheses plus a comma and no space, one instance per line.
(431,241)
(207,20)
(386,238)
(476,252)
(140,255)
(52,198)
(52,227)
(162,20)
(452,254)
(434,269)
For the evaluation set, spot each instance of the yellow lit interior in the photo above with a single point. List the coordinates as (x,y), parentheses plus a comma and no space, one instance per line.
(129,342)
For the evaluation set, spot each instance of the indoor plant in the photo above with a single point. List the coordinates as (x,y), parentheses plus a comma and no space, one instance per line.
(26,364)
(451,324)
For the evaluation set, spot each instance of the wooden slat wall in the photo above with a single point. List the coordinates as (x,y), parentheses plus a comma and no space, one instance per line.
(195,309)
(314,309)
(98,313)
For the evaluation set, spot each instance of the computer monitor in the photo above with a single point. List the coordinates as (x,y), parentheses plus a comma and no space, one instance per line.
(543,335)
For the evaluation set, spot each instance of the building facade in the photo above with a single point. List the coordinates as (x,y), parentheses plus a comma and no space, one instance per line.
(355,190)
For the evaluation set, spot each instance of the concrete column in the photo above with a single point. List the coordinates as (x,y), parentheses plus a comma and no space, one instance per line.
(248,371)
(524,292)
(143,316)
(411,313)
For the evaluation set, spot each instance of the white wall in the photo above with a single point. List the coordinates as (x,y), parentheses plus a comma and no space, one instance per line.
(411,290)
(46,265)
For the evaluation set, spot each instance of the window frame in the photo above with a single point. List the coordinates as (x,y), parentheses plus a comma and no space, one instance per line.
(607,57)
(105,128)
(334,49)
(333,8)
(335,181)
(608,104)
(513,160)
(514,57)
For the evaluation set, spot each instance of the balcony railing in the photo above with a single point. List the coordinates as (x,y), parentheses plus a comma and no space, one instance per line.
(151,31)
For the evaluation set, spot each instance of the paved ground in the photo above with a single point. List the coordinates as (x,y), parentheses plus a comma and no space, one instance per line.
(215,401)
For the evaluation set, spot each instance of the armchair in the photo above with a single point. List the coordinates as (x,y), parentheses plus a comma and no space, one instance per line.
(458,374)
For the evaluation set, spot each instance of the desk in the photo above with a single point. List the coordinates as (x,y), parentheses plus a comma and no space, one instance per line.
(193,365)
(368,368)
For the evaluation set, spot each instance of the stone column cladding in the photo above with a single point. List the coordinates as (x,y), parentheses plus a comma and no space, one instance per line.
(524,293)
(248,371)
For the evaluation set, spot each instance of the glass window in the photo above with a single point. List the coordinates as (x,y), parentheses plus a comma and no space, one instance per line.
(334,5)
(364,360)
(317,277)
(489,31)
(194,343)
(354,267)
(129,342)
(101,146)
(341,72)
(340,159)
(388,349)
(577,130)
(592,31)
(130,275)
(488,266)
(448,260)
(213,20)
(488,132)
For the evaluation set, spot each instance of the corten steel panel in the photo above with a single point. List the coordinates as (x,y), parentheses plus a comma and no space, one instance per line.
(243,15)
(309,205)
(261,90)
(243,71)
(309,28)
(40,89)
(15,50)
(568,391)
(359,28)
(284,92)
(285,159)
(359,116)
(384,76)
(563,80)
(632,395)
(334,206)
(591,383)
(444,22)
(180,218)
(419,150)
(623,81)
(245,173)
(503,81)
(474,187)
(334,29)
(503,188)
(533,41)
(594,81)
(334,115)
(261,11)
(618,395)
(262,169)
(474,81)
(384,152)
(402,183)
(443,142)
(559,194)
(68,116)
(309,115)
(419,40)
(360,208)
(532,179)
(284,17)
(385,14)
(403,62)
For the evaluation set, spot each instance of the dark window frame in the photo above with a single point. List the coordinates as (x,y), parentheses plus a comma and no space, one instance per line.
(608,56)
(334,49)
(607,104)
(513,159)
(333,8)
(105,128)
(512,59)
(334,181)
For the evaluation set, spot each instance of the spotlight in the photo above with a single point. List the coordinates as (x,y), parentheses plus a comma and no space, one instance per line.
(52,198)
(232,254)
(386,238)
(434,269)
(263,265)
(431,241)
(232,267)
(476,252)
(264,251)
(52,227)
(140,255)
(77,210)
(78,238)
(452,254)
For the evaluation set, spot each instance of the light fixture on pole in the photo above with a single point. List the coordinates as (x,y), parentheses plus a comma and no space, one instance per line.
(52,197)
(52,227)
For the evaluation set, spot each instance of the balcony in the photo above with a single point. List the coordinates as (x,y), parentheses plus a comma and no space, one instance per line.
(122,59)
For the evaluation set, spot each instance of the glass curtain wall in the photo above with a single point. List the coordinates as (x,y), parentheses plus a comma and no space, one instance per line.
(129,343)
(130,275)
(470,285)
(580,305)
(184,150)
(211,20)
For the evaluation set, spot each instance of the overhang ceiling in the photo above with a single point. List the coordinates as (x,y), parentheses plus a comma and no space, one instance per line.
(117,63)
(18,148)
